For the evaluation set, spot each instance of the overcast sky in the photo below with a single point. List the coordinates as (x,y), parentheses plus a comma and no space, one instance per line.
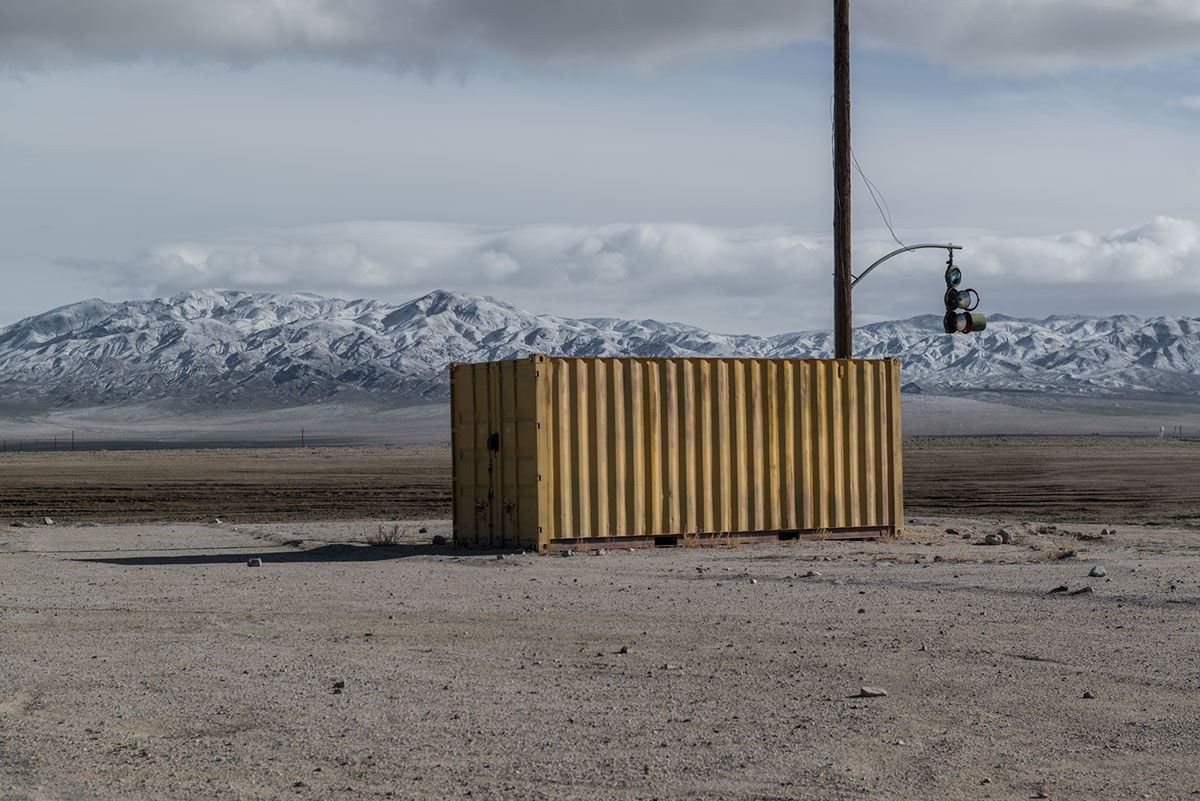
(631,158)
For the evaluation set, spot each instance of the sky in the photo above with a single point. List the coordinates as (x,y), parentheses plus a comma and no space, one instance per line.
(666,159)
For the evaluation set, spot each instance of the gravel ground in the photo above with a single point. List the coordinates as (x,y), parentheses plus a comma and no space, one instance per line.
(149,661)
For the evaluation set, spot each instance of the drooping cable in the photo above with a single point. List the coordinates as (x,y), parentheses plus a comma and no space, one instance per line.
(880,201)
(876,195)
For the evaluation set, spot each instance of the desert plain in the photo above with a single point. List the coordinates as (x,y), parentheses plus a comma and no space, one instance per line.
(143,657)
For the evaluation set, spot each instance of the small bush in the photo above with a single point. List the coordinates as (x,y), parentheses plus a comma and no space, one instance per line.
(386,536)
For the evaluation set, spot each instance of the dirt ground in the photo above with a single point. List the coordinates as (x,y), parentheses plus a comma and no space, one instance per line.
(148,660)
(1106,479)
(254,484)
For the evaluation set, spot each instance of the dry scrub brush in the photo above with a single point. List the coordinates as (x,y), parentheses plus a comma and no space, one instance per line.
(386,536)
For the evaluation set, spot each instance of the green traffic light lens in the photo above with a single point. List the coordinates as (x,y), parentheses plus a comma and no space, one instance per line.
(953,276)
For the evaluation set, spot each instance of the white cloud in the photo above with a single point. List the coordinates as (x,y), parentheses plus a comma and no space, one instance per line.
(1192,102)
(760,280)
(1013,36)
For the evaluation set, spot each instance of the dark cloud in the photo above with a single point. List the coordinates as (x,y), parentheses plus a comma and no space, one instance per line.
(1013,36)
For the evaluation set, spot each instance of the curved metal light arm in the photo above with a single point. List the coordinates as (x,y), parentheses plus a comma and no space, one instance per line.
(897,253)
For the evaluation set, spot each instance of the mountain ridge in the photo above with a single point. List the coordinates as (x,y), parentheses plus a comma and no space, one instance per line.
(234,349)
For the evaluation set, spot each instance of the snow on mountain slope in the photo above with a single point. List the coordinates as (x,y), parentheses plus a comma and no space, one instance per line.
(216,348)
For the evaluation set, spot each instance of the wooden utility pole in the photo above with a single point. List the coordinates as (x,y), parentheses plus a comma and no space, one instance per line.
(842,326)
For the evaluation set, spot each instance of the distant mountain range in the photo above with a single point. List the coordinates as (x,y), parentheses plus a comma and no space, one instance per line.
(222,349)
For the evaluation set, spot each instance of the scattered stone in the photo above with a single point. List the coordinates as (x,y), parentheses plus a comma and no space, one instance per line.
(882,564)
(669,666)
(1112,532)
(1104,532)
(339,684)
(938,558)
(1070,555)
(499,557)
(624,649)
(568,552)
(254,561)
(993,539)
(1088,694)
(986,780)
(753,581)
(438,539)
(1060,588)
(966,535)
(1083,591)
(812,574)
(1007,535)
(899,742)
(422,530)
(300,784)
(47,521)
(871,692)
(1047,529)
(953,532)
(1098,572)
(216,521)
(861,610)
(338,690)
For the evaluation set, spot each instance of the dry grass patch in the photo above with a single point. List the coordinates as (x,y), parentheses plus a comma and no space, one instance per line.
(386,536)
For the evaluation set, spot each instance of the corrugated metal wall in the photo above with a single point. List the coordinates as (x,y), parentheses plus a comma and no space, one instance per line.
(599,448)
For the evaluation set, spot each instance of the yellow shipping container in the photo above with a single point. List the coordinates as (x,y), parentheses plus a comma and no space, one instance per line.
(562,452)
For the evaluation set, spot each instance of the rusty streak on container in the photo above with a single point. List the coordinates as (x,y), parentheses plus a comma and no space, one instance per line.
(567,450)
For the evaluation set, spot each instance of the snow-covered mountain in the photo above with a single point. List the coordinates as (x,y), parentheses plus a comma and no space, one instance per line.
(234,349)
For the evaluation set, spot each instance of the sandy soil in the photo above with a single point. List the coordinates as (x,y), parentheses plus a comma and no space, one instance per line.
(1116,479)
(1106,479)
(151,662)
(260,484)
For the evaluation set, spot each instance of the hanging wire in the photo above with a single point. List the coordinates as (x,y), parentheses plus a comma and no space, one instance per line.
(880,201)
(884,211)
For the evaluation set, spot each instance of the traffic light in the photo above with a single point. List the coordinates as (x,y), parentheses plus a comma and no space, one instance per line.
(960,303)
